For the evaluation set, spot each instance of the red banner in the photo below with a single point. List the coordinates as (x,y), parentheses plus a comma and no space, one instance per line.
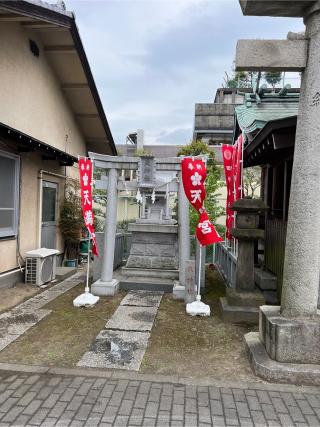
(228,156)
(232,158)
(238,169)
(193,177)
(85,169)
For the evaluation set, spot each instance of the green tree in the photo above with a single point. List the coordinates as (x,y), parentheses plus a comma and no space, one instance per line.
(241,79)
(71,220)
(252,181)
(273,78)
(212,184)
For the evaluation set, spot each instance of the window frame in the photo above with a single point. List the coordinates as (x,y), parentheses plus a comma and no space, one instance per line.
(12,232)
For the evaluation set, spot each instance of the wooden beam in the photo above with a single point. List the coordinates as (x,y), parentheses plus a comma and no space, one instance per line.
(13,17)
(271,55)
(41,26)
(60,49)
(25,149)
(49,157)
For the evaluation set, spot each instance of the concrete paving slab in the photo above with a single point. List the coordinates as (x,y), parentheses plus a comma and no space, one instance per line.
(17,321)
(14,324)
(129,318)
(142,298)
(116,349)
(6,340)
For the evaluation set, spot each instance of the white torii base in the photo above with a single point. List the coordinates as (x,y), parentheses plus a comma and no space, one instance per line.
(85,300)
(198,308)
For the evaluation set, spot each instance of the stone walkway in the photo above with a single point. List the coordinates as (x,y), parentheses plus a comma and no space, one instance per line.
(17,321)
(82,399)
(122,344)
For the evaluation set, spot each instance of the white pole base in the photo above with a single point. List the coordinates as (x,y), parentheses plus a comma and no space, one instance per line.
(85,300)
(198,308)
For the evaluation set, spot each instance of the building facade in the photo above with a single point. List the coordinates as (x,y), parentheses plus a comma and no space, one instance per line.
(50,113)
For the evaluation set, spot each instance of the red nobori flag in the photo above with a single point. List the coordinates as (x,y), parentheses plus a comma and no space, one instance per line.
(206,232)
(232,158)
(238,168)
(228,163)
(193,177)
(85,169)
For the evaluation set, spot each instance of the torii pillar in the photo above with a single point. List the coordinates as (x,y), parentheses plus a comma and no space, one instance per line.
(290,334)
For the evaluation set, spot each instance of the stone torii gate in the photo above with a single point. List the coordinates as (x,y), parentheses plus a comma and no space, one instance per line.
(108,284)
(291,334)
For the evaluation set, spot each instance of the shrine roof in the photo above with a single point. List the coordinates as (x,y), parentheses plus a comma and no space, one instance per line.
(255,113)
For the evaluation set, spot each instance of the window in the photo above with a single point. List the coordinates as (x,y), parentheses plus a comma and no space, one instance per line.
(9,196)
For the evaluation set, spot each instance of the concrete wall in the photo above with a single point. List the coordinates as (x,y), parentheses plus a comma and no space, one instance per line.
(214,116)
(31,97)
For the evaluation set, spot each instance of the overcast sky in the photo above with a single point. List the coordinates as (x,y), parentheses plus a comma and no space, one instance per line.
(152,60)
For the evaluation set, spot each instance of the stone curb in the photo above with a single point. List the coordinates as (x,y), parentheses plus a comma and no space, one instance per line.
(168,379)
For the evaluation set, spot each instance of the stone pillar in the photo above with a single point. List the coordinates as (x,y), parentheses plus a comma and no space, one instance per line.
(107,285)
(301,264)
(143,207)
(167,214)
(184,240)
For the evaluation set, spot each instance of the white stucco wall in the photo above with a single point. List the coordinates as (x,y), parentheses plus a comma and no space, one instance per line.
(32,100)
(29,218)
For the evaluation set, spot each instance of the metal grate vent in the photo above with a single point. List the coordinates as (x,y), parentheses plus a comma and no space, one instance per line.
(31,270)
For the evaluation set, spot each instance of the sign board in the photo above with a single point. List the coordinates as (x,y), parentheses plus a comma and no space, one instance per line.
(147,172)
(190,285)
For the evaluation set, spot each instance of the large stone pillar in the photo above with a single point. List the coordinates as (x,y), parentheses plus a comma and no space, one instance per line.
(184,240)
(301,265)
(107,285)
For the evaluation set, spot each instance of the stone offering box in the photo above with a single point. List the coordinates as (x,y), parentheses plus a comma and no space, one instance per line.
(153,246)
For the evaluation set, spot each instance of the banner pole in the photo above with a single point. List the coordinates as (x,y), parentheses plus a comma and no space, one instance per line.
(199,272)
(86,289)
(87,299)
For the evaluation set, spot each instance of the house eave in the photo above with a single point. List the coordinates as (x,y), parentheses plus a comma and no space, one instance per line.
(37,15)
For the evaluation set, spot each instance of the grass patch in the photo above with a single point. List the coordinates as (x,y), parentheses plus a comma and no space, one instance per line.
(197,346)
(61,338)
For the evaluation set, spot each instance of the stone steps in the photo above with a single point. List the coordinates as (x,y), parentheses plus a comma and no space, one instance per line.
(145,284)
(151,272)
(265,280)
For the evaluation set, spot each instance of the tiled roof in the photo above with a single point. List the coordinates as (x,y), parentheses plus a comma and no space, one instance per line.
(252,116)
(54,7)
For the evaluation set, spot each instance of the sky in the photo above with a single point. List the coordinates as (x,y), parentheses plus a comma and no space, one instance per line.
(153,60)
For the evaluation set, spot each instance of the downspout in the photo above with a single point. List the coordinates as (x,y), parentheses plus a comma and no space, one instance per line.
(41,172)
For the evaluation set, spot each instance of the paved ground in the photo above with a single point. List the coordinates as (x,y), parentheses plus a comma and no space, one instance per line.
(75,400)
(123,342)
(17,321)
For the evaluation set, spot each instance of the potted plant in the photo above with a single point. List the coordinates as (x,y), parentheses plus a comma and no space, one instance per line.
(71,221)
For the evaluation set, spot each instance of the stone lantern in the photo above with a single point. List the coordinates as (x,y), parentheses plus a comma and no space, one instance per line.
(242,303)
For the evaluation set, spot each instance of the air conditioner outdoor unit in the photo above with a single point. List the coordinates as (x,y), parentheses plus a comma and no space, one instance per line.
(41,266)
